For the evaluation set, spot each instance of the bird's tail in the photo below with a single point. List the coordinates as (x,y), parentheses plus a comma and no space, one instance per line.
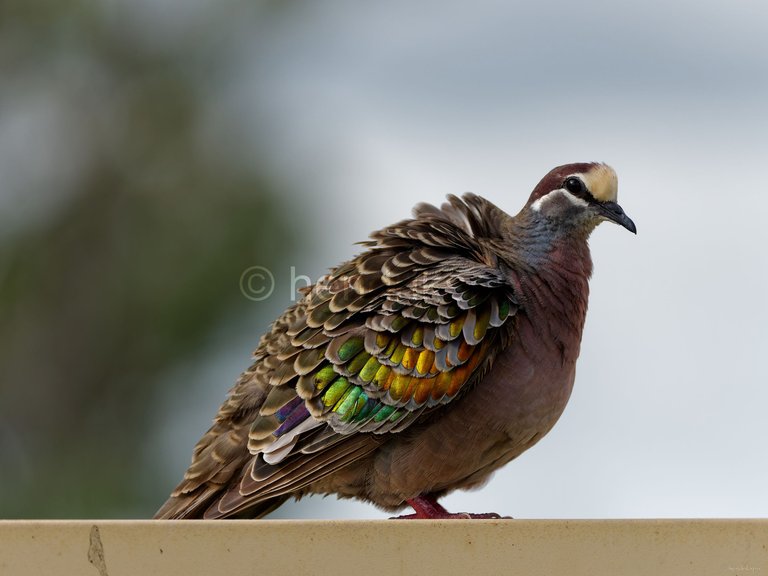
(201,505)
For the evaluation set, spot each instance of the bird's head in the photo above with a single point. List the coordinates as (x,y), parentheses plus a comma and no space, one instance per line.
(580,196)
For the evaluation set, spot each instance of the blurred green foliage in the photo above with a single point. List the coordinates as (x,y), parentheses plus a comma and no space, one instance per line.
(136,258)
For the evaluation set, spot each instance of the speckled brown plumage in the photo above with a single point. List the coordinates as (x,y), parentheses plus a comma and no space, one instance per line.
(443,351)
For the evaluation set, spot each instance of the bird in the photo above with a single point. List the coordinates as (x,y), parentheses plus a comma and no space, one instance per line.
(440,353)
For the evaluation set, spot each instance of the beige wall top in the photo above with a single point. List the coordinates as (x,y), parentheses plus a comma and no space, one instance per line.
(466,547)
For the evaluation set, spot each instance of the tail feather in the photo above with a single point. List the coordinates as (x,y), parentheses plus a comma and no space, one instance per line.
(194,506)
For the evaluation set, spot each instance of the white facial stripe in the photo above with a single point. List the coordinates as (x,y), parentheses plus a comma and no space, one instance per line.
(576,201)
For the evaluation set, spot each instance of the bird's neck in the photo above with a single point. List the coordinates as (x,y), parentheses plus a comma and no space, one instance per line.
(549,269)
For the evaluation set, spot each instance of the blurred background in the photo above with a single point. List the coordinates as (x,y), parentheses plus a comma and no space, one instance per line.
(153,152)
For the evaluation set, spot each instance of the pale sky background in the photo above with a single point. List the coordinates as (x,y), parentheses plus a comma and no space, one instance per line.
(374,107)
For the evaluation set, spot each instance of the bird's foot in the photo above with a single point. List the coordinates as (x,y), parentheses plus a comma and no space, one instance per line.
(427,508)
(452,516)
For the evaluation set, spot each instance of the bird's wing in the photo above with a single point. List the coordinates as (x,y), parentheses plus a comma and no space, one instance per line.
(404,347)
(397,332)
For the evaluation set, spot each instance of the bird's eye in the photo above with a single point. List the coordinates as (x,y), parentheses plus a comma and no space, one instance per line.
(575,186)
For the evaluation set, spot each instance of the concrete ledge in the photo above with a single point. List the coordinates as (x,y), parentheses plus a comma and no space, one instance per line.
(529,547)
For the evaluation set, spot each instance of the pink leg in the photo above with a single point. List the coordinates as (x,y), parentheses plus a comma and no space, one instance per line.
(426,507)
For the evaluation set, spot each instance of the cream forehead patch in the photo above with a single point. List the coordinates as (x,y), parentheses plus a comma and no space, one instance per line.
(602,183)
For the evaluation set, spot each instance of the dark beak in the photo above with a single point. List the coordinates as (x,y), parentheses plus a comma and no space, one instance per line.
(615,213)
